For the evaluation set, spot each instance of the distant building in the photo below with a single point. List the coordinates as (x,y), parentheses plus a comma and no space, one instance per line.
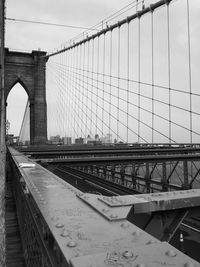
(55,140)
(67,140)
(89,139)
(96,137)
(79,141)
(94,142)
(106,139)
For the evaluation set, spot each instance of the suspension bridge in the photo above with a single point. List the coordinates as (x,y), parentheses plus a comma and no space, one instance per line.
(106,171)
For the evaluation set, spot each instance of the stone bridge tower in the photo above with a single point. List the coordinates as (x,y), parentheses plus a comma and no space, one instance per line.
(28,69)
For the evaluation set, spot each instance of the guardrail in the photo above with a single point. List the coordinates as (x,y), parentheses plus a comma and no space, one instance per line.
(39,245)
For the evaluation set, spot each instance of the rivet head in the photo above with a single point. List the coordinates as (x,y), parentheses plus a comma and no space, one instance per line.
(124,225)
(54,218)
(59,225)
(150,242)
(113,216)
(189,264)
(171,253)
(64,233)
(79,254)
(115,198)
(71,244)
(127,254)
(136,233)
(112,201)
(105,210)
(122,201)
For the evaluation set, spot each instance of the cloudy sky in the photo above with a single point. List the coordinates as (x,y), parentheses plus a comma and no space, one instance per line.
(86,13)
(27,37)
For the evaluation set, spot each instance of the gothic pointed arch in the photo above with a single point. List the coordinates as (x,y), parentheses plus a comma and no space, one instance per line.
(13,82)
(28,69)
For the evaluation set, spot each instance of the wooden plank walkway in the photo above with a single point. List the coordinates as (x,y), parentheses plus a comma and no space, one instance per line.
(14,253)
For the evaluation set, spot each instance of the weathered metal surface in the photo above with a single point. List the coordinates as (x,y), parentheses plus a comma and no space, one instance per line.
(156,168)
(118,207)
(120,201)
(79,230)
(159,172)
(156,201)
(106,160)
(70,219)
(152,255)
(60,151)
(164,225)
(112,213)
(168,201)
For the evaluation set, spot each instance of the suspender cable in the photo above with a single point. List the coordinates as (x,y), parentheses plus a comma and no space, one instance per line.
(110,85)
(73,86)
(59,106)
(66,99)
(71,97)
(139,79)
(128,74)
(118,81)
(152,72)
(189,67)
(63,98)
(74,93)
(71,91)
(82,88)
(169,71)
(76,90)
(74,112)
(87,69)
(92,78)
(85,104)
(97,97)
(103,83)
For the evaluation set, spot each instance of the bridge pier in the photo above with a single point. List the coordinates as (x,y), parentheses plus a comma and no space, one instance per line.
(29,69)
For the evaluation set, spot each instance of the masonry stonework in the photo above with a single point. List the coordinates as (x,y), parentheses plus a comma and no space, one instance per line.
(29,69)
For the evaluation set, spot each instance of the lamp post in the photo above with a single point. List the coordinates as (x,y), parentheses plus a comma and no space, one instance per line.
(7,126)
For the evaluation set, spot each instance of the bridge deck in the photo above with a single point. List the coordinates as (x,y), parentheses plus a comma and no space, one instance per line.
(81,231)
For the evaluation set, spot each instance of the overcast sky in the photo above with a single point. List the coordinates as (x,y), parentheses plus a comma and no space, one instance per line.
(86,13)
(25,36)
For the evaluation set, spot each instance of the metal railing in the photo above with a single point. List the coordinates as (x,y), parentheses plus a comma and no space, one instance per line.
(39,245)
